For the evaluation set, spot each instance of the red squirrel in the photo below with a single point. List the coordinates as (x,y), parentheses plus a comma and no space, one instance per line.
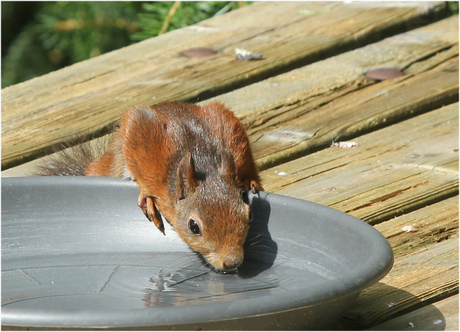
(193,165)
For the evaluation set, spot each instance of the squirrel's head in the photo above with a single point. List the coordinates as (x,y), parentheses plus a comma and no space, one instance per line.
(212,212)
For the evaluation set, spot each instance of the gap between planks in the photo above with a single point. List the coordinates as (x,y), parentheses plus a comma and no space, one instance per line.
(416,280)
(305,110)
(439,316)
(304,126)
(381,177)
(428,225)
(88,97)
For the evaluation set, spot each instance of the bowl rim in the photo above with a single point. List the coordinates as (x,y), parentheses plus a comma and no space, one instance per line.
(379,264)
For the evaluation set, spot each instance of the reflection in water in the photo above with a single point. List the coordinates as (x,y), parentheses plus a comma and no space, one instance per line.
(186,287)
(196,284)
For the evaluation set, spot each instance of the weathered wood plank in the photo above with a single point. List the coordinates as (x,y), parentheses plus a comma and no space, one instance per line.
(87,97)
(415,51)
(431,224)
(428,225)
(26,169)
(304,126)
(395,169)
(268,108)
(414,281)
(392,171)
(439,316)
(304,110)
(357,113)
(352,114)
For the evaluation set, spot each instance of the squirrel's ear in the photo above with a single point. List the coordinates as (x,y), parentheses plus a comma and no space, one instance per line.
(186,181)
(227,167)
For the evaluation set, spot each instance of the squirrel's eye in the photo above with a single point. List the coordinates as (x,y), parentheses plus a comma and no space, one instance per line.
(193,226)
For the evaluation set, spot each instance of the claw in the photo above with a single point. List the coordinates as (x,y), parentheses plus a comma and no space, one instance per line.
(147,204)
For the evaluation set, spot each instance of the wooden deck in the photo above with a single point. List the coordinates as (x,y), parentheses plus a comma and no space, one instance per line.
(398,172)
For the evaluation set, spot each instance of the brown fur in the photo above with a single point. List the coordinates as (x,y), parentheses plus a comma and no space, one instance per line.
(190,162)
(73,158)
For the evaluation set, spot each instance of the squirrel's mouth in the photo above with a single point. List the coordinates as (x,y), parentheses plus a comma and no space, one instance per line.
(234,271)
(227,263)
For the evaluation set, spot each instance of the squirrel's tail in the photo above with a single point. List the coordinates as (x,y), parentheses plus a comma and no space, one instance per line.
(74,158)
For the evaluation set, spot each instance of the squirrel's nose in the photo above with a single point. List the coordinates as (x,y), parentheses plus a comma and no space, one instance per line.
(230,265)
(232,262)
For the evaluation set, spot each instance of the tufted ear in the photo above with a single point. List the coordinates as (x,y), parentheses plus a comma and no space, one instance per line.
(227,167)
(252,185)
(186,180)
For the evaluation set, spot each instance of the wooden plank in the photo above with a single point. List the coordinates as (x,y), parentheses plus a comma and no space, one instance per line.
(439,316)
(392,171)
(414,281)
(26,169)
(425,226)
(87,97)
(353,114)
(267,108)
(406,289)
(429,224)
(305,110)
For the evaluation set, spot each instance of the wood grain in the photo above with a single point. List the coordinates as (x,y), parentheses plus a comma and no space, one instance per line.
(392,171)
(425,270)
(414,281)
(89,96)
(353,114)
(305,110)
(395,170)
(430,224)
(415,51)
(439,316)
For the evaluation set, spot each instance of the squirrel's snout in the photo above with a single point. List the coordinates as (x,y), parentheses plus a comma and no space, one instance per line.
(230,265)
(229,261)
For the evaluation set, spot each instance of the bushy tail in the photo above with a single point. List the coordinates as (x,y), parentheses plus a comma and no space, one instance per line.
(74,158)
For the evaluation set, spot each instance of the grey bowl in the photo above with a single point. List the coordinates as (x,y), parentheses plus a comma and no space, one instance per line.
(77,252)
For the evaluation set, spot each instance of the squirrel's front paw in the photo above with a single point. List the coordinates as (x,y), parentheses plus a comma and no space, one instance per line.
(147,204)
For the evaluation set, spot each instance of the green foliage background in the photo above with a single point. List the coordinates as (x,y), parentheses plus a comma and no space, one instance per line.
(40,37)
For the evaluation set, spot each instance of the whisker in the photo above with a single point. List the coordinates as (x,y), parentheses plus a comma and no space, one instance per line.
(259,234)
(254,243)
(259,246)
(255,237)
